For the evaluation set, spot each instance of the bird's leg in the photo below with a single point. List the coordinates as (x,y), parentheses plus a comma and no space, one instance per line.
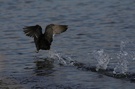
(50,53)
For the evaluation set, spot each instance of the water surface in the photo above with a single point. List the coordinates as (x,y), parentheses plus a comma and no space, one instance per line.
(93,25)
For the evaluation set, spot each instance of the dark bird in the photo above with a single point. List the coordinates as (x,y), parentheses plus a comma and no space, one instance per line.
(43,40)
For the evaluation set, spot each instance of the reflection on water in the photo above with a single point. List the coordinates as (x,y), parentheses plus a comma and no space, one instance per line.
(93,24)
(44,67)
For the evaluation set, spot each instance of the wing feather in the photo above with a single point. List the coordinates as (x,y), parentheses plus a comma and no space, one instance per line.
(57,29)
(33,31)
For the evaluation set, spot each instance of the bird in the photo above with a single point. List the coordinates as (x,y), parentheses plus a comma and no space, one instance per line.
(43,40)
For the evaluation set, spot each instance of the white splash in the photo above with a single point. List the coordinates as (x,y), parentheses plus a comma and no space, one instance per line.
(122,65)
(62,59)
(102,59)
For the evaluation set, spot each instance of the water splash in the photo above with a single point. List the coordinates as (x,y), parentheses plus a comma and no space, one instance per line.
(102,59)
(131,50)
(62,59)
(128,47)
(122,63)
(122,56)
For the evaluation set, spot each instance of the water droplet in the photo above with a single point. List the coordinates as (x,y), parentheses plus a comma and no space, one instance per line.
(102,59)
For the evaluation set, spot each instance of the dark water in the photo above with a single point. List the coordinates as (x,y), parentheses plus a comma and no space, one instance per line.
(93,24)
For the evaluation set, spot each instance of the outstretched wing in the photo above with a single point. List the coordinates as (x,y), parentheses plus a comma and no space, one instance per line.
(57,29)
(33,31)
(52,29)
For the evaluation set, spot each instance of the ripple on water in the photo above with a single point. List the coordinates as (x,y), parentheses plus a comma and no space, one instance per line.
(93,25)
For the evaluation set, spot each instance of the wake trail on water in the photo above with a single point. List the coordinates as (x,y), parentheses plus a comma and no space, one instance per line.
(61,58)
(121,71)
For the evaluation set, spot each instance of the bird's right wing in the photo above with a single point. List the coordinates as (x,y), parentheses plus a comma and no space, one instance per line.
(33,31)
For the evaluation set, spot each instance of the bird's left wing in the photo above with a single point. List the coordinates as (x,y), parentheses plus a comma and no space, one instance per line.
(33,31)
(57,29)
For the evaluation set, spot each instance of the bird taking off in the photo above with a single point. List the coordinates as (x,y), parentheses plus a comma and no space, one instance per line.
(43,40)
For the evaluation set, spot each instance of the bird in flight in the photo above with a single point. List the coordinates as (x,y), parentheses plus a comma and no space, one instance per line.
(43,40)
